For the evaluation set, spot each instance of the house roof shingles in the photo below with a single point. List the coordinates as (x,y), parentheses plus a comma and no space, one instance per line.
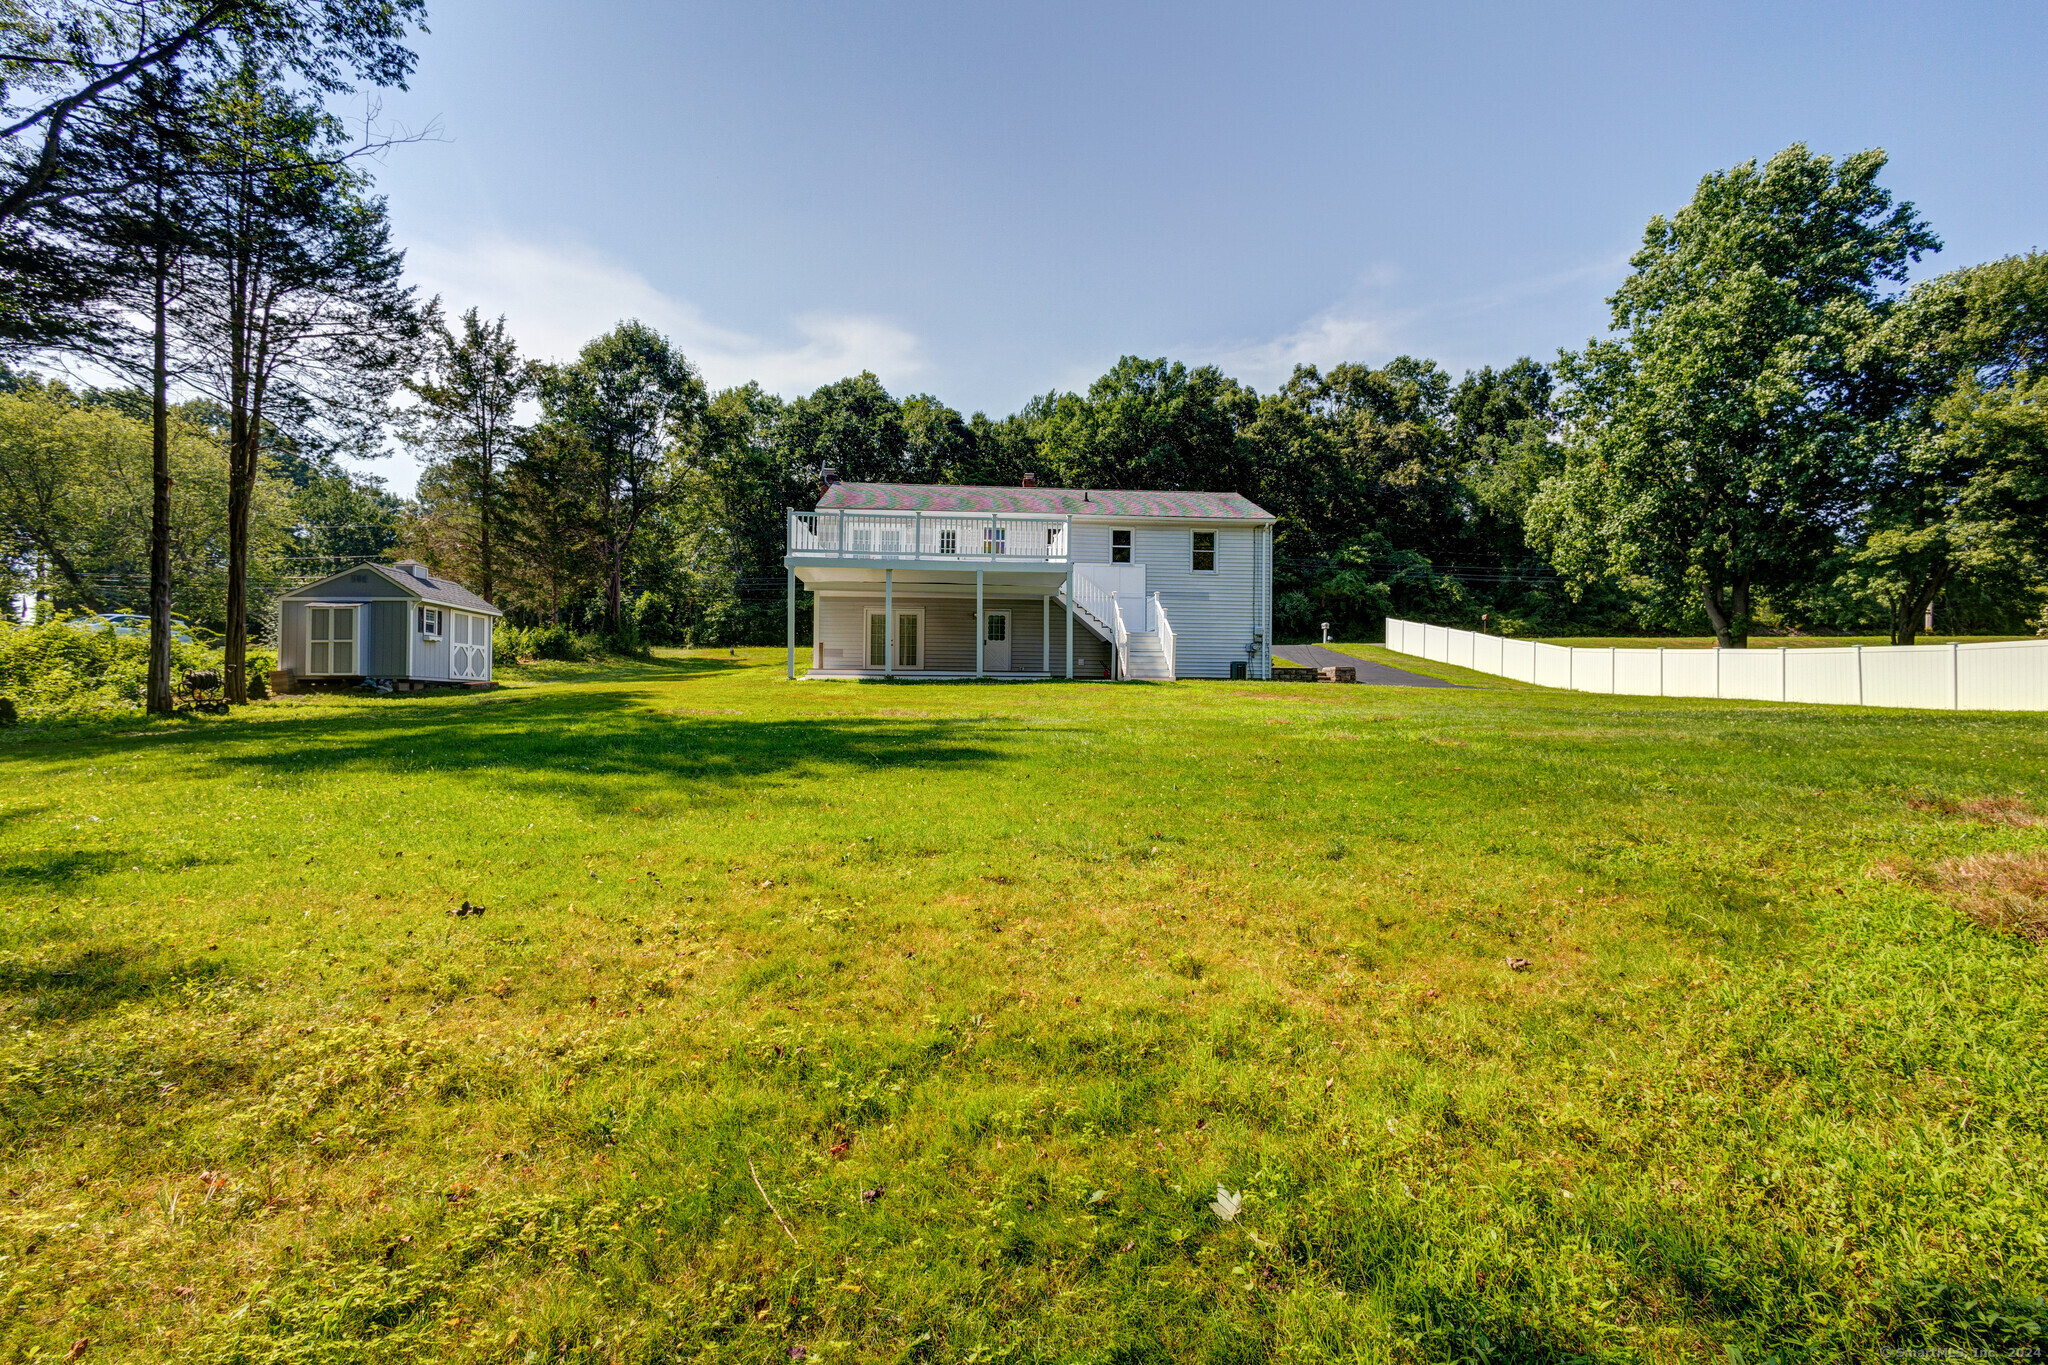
(1058,502)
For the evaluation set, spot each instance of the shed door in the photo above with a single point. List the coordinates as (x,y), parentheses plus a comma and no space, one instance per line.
(467,642)
(331,641)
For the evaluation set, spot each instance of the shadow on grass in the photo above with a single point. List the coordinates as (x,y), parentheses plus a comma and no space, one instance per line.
(57,870)
(91,981)
(660,668)
(589,739)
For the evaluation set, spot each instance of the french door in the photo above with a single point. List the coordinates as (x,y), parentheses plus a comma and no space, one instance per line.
(909,639)
(331,642)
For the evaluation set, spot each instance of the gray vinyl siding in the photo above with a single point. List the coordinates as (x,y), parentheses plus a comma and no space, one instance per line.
(291,638)
(949,634)
(389,623)
(345,589)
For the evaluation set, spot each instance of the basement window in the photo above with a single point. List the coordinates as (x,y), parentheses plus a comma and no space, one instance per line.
(1119,547)
(1205,552)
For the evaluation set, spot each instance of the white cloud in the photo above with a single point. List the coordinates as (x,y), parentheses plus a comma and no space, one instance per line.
(1329,338)
(1359,330)
(555,299)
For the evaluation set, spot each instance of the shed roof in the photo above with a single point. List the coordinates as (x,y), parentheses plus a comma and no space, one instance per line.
(418,583)
(1062,502)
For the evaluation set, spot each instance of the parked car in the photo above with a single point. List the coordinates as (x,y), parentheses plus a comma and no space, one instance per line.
(136,623)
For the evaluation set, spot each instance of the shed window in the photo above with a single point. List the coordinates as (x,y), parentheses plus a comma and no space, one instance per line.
(1205,551)
(331,641)
(430,622)
(1119,547)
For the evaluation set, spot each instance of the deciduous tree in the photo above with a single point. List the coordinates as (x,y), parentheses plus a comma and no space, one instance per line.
(1715,438)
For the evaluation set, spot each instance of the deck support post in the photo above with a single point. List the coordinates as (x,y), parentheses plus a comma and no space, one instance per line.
(888,623)
(1045,635)
(980,621)
(1070,619)
(791,585)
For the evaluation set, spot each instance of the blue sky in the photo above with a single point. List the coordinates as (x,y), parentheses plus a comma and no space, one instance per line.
(987,201)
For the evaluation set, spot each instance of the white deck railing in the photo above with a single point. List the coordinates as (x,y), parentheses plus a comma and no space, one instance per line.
(945,536)
(1165,629)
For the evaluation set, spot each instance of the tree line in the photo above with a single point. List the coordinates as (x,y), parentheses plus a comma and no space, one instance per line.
(1777,431)
(180,205)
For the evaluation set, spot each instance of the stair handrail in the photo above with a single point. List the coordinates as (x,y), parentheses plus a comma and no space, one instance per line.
(1165,629)
(1089,600)
(1123,641)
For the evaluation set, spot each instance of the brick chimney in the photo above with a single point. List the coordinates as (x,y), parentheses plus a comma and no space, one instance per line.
(1030,480)
(827,476)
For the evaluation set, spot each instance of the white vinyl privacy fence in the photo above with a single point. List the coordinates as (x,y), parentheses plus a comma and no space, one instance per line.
(2005,676)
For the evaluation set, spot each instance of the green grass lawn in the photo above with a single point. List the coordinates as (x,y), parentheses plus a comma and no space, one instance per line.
(987,988)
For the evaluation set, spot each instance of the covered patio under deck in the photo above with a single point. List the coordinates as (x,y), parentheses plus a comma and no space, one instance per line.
(914,620)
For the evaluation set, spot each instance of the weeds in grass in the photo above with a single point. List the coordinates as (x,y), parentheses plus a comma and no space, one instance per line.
(798,1030)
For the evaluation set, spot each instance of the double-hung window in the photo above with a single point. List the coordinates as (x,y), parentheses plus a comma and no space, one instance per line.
(331,641)
(430,622)
(949,541)
(993,539)
(1205,552)
(1119,547)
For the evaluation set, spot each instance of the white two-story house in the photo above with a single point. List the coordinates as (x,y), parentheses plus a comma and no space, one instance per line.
(944,581)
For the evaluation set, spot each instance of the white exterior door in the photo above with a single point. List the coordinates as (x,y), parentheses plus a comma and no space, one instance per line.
(909,638)
(469,650)
(995,642)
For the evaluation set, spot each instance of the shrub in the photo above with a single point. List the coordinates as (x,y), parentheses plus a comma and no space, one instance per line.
(510,644)
(56,671)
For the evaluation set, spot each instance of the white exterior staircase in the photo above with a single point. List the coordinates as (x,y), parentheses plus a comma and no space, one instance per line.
(1108,599)
(1145,657)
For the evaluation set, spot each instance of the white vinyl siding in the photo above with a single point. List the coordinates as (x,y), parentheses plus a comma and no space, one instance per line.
(1215,612)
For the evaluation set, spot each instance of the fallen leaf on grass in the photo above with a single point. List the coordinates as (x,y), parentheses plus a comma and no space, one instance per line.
(1517,964)
(838,1149)
(1226,1205)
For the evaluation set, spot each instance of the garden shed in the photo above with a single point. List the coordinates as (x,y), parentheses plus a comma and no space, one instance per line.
(393,623)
